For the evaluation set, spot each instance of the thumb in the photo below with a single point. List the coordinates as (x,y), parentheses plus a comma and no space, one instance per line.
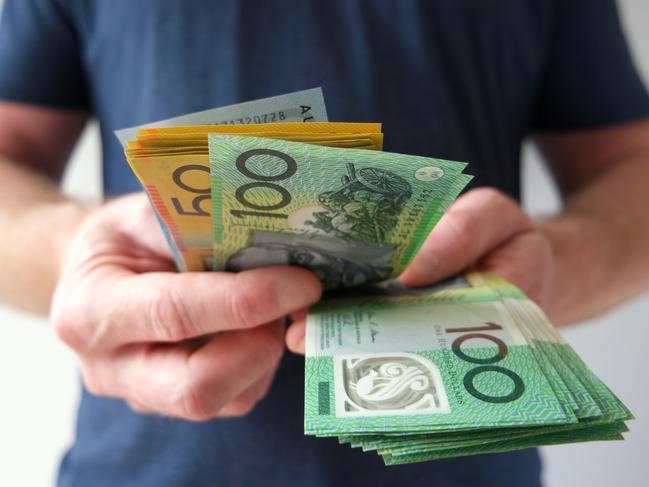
(296,332)
(476,224)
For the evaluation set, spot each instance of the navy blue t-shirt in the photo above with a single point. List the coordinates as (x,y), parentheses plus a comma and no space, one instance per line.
(458,79)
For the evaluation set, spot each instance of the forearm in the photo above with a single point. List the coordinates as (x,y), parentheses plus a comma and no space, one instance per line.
(601,243)
(37,223)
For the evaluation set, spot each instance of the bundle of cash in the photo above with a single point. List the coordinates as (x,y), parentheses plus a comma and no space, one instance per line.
(350,215)
(321,195)
(470,366)
(467,367)
(173,166)
(170,157)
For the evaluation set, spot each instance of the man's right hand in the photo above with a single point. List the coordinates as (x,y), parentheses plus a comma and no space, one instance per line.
(191,345)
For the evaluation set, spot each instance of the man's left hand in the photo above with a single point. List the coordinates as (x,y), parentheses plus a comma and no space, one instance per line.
(484,228)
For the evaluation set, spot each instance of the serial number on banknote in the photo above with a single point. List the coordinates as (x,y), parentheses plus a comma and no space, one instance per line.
(261,118)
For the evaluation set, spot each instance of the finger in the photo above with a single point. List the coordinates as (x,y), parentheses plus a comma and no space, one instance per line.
(141,224)
(300,314)
(169,307)
(140,408)
(176,381)
(127,223)
(295,335)
(527,262)
(476,223)
(248,399)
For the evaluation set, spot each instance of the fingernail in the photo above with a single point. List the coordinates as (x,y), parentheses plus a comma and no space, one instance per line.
(295,338)
(299,346)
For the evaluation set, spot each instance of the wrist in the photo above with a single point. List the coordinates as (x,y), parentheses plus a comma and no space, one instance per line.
(68,217)
(584,261)
(48,229)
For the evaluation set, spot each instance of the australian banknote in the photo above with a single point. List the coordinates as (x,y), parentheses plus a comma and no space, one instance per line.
(350,215)
(471,366)
(300,106)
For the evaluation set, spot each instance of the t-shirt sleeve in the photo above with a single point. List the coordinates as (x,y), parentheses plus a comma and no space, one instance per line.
(589,79)
(40,55)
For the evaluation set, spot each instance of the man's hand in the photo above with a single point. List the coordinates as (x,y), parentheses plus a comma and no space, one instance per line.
(486,229)
(192,345)
(483,228)
(577,264)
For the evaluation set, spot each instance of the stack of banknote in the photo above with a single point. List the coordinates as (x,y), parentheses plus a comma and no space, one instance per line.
(470,366)
(467,367)
(173,165)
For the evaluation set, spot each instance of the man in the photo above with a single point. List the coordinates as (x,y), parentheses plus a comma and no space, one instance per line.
(175,366)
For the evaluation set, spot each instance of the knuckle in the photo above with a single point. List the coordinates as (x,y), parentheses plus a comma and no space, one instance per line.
(243,305)
(492,198)
(193,403)
(264,389)
(67,323)
(192,406)
(92,383)
(492,195)
(502,205)
(465,230)
(138,408)
(275,348)
(241,407)
(169,317)
(272,357)
(270,344)
(76,321)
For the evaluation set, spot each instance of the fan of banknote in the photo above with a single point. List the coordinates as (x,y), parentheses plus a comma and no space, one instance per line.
(470,366)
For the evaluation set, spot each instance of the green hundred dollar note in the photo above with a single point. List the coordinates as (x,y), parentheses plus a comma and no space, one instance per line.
(408,364)
(383,323)
(350,215)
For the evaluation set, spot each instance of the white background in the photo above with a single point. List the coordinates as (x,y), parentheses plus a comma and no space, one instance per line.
(38,377)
